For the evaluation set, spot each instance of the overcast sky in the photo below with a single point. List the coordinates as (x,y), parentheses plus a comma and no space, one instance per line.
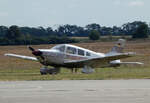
(80,12)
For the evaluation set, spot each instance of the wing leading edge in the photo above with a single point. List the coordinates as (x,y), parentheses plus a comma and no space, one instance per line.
(22,57)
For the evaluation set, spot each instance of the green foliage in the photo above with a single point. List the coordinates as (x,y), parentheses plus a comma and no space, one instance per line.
(60,40)
(15,35)
(94,35)
(141,31)
(93,26)
(130,28)
(3,31)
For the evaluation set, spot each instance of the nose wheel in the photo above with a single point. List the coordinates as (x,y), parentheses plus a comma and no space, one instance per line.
(46,70)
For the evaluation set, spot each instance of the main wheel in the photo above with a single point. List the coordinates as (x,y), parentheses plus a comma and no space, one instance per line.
(54,71)
(43,71)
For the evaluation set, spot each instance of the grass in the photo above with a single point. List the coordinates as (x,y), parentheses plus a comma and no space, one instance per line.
(100,74)
(15,69)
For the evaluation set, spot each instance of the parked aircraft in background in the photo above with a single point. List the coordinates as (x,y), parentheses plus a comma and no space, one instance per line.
(70,56)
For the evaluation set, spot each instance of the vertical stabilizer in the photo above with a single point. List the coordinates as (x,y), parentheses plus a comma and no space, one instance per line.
(119,46)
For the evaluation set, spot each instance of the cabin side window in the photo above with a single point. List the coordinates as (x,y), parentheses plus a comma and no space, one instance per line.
(80,52)
(88,54)
(71,50)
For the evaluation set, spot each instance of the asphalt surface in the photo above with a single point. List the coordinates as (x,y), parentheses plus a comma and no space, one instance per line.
(76,91)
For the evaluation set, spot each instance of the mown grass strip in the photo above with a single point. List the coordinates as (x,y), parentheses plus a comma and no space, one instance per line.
(100,74)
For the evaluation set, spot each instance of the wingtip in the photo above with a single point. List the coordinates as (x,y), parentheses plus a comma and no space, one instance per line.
(6,54)
(140,63)
(9,54)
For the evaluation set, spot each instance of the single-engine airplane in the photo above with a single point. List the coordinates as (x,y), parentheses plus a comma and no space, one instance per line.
(70,56)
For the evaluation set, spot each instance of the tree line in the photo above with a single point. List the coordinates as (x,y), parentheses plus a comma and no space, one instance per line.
(15,35)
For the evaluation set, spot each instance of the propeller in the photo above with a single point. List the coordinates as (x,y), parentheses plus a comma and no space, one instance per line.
(36,52)
(32,49)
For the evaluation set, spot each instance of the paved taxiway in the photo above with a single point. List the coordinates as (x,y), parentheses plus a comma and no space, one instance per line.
(76,91)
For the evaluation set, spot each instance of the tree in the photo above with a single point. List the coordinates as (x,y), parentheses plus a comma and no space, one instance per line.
(13,32)
(70,30)
(3,31)
(141,32)
(106,31)
(50,31)
(14,35)
(93,26)
(130,28)
(94,35)
(117,31)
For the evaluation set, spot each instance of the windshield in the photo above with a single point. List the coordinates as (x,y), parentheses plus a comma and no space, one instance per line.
(60,48)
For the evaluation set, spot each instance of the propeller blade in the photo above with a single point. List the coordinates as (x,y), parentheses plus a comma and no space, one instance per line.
(32,49)
(36,52)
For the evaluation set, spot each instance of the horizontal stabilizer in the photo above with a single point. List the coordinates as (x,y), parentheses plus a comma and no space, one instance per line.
(139,63)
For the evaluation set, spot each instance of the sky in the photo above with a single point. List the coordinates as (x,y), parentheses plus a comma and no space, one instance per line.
(53,13)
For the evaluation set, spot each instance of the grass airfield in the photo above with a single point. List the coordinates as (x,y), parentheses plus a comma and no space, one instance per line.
(13,69)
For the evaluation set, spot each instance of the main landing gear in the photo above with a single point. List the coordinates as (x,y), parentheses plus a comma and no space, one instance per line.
(46,70)
(87,70)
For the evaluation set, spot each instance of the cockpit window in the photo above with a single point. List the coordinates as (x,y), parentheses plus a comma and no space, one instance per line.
(71,50)
(61,48)
(80,52)
(88,54)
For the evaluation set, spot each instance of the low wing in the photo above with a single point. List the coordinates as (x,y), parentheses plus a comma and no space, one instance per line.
(97,62)
(22,57)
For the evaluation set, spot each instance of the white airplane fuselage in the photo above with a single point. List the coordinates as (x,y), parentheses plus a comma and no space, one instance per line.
(56,58)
